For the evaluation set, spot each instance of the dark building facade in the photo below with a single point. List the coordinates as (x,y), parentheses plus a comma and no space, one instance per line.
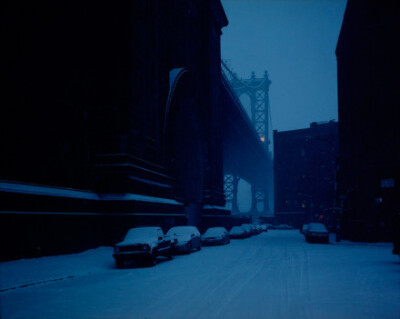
(305,174)
(110,119)
(369,131)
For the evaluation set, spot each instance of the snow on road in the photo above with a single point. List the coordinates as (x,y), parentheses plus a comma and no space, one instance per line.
(273,275)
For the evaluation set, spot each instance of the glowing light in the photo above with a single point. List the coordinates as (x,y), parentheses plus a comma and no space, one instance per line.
(262,139)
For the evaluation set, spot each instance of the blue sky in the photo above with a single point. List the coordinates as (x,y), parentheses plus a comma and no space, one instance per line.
(295,41)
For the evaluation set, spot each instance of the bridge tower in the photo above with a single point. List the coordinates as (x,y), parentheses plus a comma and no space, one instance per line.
(257,89)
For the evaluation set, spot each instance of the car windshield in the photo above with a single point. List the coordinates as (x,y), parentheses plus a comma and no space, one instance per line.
(180,231)
(317,227)
(141,232)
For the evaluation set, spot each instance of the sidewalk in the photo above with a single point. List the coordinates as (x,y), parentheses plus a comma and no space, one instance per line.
(34,271)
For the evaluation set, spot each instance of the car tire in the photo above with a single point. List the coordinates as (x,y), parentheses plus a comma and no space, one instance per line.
(152,261)
(199,248)
(189,249)
(119,263)
(170,255)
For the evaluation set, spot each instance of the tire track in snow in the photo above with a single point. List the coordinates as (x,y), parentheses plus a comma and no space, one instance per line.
(242,283)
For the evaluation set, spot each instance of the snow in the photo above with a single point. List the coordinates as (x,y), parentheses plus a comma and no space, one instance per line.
(183,231)
(214,207)
(237,230)
(73,193)
(271,275)
(140,198)
(215,231)
(317,227)
(46,191)
(138,233)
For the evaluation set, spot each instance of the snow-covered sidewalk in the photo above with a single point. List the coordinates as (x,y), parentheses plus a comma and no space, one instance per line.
(35,271)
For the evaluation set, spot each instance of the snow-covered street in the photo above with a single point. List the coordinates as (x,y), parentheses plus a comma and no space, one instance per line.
(271,275)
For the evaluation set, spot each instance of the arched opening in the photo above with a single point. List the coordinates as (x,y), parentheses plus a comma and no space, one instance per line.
(185,147)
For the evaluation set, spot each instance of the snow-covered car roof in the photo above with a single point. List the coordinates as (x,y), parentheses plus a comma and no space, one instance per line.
(141,232)
(237,230)
(247,227)
(215,231)
(317,227)
(182,230)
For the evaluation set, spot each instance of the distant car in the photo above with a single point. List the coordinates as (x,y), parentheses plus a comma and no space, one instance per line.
(317,232)
(284,226)
(186,238)
(237,232)
(303,229)
(143,244)
(257,228)
(249,229)
(215,236)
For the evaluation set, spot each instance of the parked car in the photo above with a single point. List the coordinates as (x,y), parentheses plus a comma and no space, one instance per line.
(269,226)
(237,232)
(249,229)
(186,238)
(143,244)
(303,229)
(284,227)
(215,236)
(317,232)
(257,228)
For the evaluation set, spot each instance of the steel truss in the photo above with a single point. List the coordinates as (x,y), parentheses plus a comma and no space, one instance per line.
(257,89)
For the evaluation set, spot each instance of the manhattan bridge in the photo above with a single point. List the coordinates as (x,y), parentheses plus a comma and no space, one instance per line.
(256,93)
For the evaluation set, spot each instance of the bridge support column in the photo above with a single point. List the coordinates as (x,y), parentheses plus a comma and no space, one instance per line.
(231,182)
(259,197)
(253,210)
(235,208)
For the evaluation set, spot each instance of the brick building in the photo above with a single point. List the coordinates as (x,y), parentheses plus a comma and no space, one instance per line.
(305,173)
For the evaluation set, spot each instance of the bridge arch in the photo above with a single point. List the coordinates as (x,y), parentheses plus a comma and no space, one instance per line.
(186,147)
